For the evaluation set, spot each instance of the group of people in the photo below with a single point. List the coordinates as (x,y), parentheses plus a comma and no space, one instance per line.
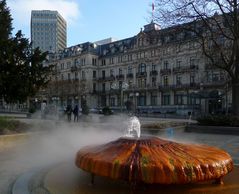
(75,112)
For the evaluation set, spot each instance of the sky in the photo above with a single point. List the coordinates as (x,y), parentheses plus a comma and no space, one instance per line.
(87,20)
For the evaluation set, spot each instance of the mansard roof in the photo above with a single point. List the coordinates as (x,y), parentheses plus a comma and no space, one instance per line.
(151,33)
(116,47)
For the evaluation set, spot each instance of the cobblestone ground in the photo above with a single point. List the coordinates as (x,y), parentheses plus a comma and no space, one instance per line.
(34,153)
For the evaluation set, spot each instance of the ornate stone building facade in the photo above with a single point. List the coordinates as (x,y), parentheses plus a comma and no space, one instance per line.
(158,70)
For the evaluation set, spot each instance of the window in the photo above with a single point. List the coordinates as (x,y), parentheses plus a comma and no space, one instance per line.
(94,74)
(142,83)
(62,65)
(68,64)
(130,57)
(76,75)
(192,62)
(142,68)
(142,100)
(152,53)
(103,73)
(93,61)
(103,62)
(119,59)
(130,69)
(120,84)
(103,87)
(120,71)
(165,80)
(154,82)
(83,74)
(153,67)
(165,65)
(178,80)
(69,76)
(178,99)
(192,79)
(62,77)
(83,61)
(112,73)
(130,84)
(94,87)
(215,77)
(112,101)
(153,99)
(111,60)
(166,99)
(178,63)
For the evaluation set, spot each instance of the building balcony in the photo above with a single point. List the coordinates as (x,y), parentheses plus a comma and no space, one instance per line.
(165,71)
(153,86)
(184,69)
(165,87)
(141,74)
(214,83)
(130,75)
(180,86)
(102,79)
(153,73)
(110,78)
(74,68)
(186,86)
(121,76)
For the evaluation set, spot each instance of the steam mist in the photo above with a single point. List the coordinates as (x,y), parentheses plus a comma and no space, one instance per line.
(58,141)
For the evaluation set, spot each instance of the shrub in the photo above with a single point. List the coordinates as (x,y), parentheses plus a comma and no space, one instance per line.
(32,110)
(107,111)
(219,120)
(8,125)
(84,107)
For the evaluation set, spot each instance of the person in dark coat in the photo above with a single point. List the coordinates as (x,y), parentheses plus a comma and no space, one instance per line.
(76,113)
(68,112)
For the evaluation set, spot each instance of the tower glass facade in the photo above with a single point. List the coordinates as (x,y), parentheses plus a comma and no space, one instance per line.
(48,30)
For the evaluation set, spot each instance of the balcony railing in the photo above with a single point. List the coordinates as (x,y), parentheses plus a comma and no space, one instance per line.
(153,73)
(165,71)
(110,78)
(130,75)
(185,69)
(141,74)
(214,83)
(101,78)
(121,76)
(180,86)
(152,86)
(74,68)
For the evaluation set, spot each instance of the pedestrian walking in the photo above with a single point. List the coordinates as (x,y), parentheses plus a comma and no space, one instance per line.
(68,112)
(76,113)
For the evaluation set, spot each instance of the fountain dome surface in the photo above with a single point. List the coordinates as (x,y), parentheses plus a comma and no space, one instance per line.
(151,160)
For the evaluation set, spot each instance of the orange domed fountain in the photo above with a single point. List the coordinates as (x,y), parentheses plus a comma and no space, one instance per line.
(151,160)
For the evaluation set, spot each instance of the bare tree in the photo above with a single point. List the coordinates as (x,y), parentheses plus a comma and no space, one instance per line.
(215,24)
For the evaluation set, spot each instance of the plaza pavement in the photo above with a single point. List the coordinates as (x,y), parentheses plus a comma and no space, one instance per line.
(25,157)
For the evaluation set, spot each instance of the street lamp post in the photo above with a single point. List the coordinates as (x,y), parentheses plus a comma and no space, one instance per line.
(136,101)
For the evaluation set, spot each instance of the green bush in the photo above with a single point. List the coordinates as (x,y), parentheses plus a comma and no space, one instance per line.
(32,110)
(219,120)
(107,111)
(84,107)
(8,125)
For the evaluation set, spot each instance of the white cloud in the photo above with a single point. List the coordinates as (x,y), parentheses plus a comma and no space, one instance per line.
(21,9)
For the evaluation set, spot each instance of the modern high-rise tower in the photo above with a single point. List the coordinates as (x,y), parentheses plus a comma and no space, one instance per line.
(48,30)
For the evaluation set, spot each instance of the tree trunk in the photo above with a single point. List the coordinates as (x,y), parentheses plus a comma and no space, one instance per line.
(235,97)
